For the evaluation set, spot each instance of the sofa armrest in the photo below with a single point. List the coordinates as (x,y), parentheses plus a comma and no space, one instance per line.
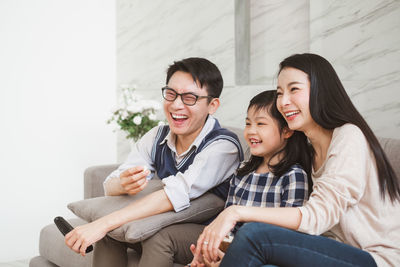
(94,177)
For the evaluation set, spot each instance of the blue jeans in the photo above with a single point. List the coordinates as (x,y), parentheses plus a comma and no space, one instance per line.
(260,244)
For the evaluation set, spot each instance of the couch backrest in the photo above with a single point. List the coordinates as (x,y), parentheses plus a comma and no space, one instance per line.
(94,176)
(239,133)
(392,149)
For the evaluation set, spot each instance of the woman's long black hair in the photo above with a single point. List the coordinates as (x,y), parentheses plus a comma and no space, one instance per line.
(296,151)
(331,107)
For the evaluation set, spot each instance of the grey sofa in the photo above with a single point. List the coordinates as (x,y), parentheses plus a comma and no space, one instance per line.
(53,251)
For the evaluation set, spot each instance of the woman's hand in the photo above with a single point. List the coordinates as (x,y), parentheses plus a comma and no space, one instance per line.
(85,235)
(212,236)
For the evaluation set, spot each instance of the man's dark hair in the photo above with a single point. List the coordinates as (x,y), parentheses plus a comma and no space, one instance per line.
(203,71)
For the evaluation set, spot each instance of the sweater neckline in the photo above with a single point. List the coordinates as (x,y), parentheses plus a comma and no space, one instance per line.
(320,170)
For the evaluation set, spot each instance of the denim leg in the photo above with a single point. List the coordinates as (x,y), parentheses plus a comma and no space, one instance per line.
(258,244)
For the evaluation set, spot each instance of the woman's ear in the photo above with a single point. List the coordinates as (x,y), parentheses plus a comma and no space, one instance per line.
(287,133)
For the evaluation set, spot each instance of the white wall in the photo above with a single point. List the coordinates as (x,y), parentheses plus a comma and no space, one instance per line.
(361,38)
(57,86)
(154,33)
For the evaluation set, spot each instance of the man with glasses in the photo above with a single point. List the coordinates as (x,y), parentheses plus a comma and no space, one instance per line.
(192,155)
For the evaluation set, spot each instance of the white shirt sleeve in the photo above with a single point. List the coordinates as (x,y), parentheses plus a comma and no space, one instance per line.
(140,155)
(210,167)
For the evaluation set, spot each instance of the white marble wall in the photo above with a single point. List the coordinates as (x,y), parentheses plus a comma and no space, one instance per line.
(361,38)
(152,34)
(278,28)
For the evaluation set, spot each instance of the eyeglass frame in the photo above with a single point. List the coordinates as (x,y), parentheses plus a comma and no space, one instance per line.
(183,94)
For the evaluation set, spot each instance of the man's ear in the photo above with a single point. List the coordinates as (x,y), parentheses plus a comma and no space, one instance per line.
(287,133)
(213,106)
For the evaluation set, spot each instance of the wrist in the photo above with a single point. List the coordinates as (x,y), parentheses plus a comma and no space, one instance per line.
(113,187)
(109,222)
(235,213)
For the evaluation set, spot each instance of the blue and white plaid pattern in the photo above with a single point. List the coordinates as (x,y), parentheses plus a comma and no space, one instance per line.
(267,190)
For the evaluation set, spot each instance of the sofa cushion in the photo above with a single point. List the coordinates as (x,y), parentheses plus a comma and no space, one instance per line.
(40,261)
(392,150)
(52,245)
(200,210)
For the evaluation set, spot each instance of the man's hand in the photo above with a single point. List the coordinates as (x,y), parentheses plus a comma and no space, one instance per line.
(85,235)
(134,180)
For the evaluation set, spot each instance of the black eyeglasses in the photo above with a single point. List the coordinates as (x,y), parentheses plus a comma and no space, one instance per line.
(188,99)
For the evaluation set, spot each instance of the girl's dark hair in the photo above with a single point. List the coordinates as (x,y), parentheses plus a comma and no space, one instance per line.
(296,151)
(331,107)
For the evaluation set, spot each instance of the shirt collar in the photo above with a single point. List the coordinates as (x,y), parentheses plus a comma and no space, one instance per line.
(208,126)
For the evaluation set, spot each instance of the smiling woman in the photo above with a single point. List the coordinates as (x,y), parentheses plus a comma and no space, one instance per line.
(356,195)
(295,109)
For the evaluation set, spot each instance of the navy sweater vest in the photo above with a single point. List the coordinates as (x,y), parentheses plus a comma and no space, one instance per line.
(164,158)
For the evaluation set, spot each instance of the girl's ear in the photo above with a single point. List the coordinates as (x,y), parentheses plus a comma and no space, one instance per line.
(287,133)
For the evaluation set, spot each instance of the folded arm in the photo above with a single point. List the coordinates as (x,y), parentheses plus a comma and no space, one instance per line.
(83,236)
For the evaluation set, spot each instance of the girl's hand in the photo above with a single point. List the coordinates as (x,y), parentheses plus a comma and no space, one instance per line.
(217,263)
(85,235)
(212,236)
(199,261)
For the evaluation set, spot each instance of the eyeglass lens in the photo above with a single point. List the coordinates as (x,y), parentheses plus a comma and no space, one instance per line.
(187,98)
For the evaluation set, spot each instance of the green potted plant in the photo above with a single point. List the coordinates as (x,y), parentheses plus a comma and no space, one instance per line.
(135,115)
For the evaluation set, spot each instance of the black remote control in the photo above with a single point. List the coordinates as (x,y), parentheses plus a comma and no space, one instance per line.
(65,228)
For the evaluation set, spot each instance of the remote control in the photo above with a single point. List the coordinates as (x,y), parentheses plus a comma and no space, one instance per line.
(65,228)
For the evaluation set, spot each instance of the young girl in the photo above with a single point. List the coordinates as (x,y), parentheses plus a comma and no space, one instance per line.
(355,197)
(274,174)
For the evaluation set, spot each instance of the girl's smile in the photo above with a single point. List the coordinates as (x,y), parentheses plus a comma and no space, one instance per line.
(262,134)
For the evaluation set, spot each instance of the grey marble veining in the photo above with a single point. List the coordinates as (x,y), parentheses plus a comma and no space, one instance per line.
(361,38)
(279,28)
(234,103)
(242,42)
(362,41)
(357,33)
(152,34)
